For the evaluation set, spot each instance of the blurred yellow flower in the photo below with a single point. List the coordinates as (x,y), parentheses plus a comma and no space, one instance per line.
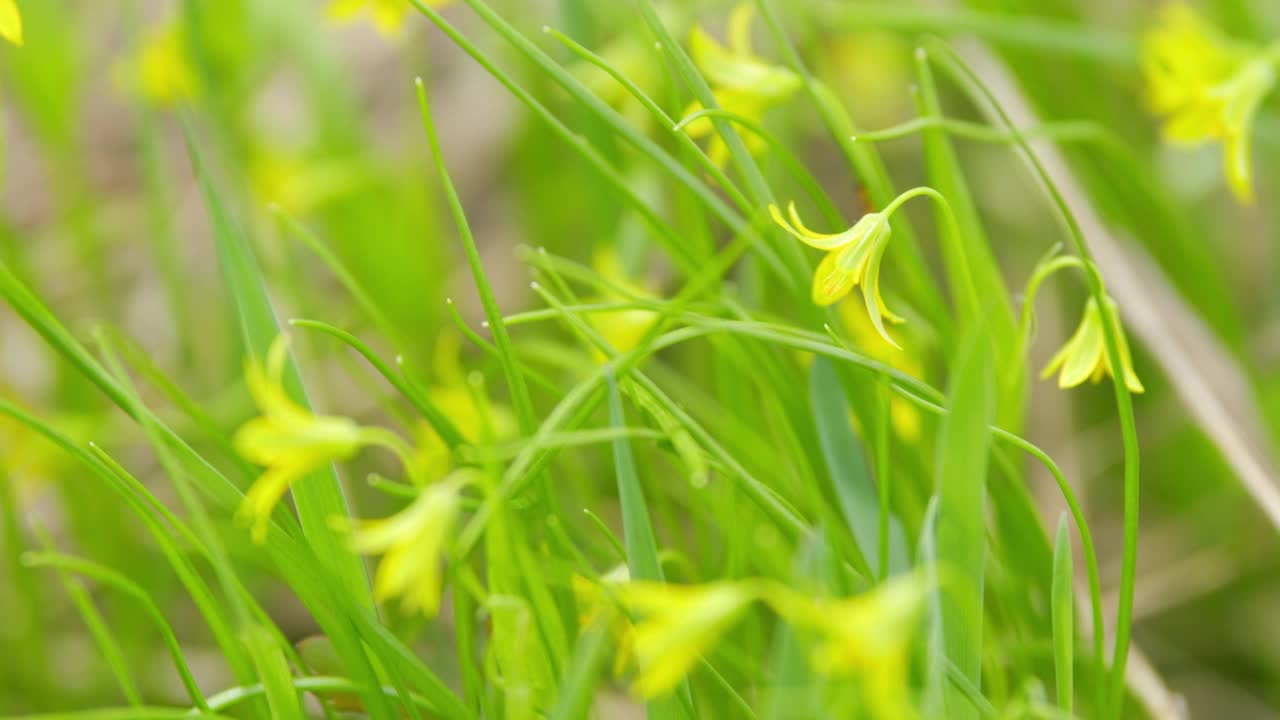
(873,67)
(596,605)
(635,61)
(164,75)
(1084,356)
(10,22)
(679,624)
(742,81)
(413,543)
(868,636)
(388,15)
(853,258)
(301,185)
(287,439)
(457,402)
(903,416)
(1207,87)
(621,328)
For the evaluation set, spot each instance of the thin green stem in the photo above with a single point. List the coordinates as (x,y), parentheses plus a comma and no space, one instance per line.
(793,164)
(1124,401)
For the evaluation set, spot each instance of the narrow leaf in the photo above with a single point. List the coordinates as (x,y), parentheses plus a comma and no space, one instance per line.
(1063,611)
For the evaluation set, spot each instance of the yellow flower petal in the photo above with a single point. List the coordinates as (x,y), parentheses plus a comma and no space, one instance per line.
(832,280)
(680,624)
(164,75)
(739,29)
(871,295)
(388,15)
(1207,87)
(286,439)
(10,22)
(738,68)
(413,543)
(1084,355)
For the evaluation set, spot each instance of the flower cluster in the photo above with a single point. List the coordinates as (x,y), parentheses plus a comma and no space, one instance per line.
(867,635)
(291,442)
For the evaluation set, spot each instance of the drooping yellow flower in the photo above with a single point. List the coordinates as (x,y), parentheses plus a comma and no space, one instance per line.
(868,636)
(164,75)
(10,22)
(742,81)
(412,544)
(288,440)
(1207,87)
(853,258)
(1084,356)
(678,624)
(388,15)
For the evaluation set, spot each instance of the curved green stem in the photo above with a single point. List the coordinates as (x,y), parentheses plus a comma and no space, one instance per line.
(1043,270)
(1111,339)
(970,305)
(384,438)
(1071,131)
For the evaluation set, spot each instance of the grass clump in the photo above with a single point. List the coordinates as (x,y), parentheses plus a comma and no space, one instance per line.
(658,456)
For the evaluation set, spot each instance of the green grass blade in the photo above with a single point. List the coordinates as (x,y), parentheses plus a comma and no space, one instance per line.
(501,339)
(420,400)
(349,281)
(637,530)
(961,532)
(316,587)
(847,462)
(277,681)
(972,271)
(107,576)
(1063,615)
(1110,335)
(639,539)
(318,498)
(578,687)
(103,637)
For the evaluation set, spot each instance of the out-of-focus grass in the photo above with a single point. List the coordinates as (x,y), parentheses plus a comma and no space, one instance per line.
(659,478)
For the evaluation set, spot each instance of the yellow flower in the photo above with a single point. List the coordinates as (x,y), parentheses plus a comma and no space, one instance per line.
(903,415)
(621,328)
(10,22)
(679,623)
(164,75)
(300,185)
(288,440)
(412,543)
(1084,356)
(457,402)
(595,605)
(868,636)
(1207,87)
(388,15)
(853,258)
(742,81)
